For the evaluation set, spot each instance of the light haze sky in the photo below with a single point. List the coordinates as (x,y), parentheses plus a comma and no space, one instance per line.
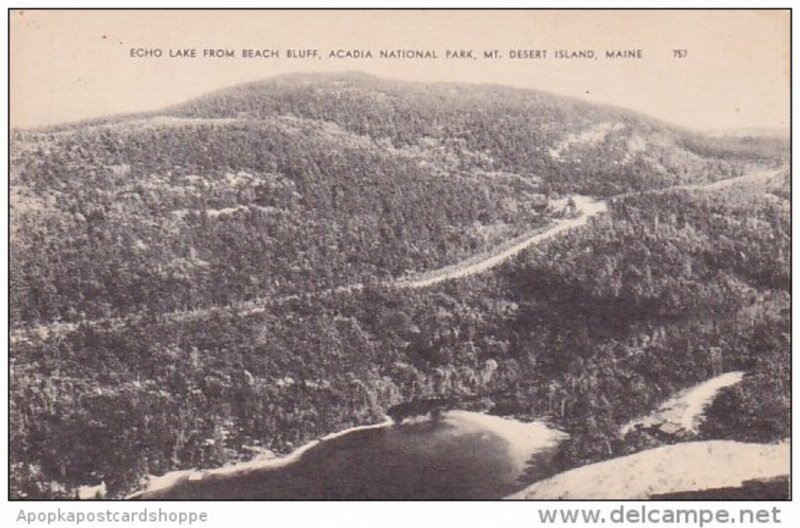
(71,65)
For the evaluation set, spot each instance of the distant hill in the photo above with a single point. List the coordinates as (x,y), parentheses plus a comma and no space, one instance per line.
(571,144)
(751,132)
(306,182)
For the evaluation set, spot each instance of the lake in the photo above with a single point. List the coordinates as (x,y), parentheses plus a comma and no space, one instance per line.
(460,455)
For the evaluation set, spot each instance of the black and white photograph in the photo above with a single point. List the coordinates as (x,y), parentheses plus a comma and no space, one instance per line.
(417,255)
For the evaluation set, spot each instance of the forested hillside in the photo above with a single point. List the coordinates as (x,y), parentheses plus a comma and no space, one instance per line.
(274,192)
(180,215)
(571,145)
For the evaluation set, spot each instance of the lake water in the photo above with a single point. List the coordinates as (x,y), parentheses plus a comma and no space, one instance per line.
(461,455)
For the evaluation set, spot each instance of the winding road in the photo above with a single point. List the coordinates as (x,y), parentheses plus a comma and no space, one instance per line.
(585,207)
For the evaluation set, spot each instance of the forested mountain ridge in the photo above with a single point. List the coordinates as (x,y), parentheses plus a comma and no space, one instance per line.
(282,189)
(246,209)
(526,132)
(312,182)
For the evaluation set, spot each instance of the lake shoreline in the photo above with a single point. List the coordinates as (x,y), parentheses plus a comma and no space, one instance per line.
(258,463)
(383,460)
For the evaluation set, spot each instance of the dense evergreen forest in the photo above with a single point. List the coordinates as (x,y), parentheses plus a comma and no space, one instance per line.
(273,192)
